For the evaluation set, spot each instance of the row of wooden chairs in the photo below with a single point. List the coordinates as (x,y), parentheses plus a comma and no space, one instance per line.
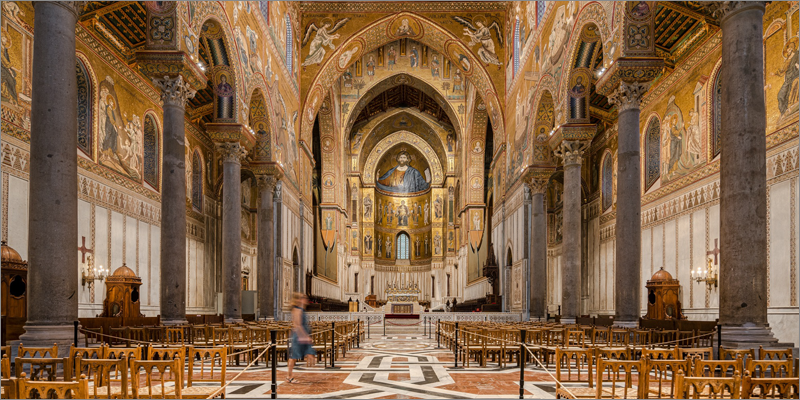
(657,377)
(121,373)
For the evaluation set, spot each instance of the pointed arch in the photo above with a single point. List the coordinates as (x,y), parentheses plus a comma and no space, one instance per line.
(197,180)
(259,122)
(86,98)
(607,180)
(151,141)
(375,34)
(652,152)
(715,126)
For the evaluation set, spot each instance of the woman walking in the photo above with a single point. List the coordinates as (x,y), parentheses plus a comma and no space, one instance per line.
(302,347)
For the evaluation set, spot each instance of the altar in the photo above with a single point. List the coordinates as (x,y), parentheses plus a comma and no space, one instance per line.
(402,300)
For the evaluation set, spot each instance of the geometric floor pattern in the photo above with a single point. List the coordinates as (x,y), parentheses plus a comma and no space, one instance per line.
(404,365)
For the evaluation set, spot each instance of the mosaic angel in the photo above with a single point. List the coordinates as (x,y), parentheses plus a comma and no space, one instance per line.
(482,34)
(323,38)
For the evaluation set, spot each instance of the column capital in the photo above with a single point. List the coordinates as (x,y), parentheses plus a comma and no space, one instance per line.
(721,10)
(571,151)
(537,179)
(267,182)
(174,90)
(628,95)
(231,152)
(75,7)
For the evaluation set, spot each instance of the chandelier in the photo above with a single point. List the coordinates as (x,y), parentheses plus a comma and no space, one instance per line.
(707,275)
(90,273)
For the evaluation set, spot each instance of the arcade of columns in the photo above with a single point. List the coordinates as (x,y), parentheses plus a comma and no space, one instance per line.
(53,194)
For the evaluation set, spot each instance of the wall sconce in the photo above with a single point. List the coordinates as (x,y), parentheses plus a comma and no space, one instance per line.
(707,275)
(91,273)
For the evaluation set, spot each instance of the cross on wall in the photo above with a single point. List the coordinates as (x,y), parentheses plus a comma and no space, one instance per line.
(715,252)
(83,249)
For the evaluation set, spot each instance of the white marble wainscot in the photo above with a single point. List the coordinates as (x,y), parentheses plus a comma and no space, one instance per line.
(477,289)
(429,316)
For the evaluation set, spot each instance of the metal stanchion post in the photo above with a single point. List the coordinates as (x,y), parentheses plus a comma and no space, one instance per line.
(455,346)
(358,333)
(384,324)
(719,341)
(75,323)
(368,324)
(438,334)
(333,344)
(522,357)
(430,328)
(273,337)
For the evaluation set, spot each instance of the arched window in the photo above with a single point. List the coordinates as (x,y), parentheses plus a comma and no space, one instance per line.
(652,155)
(289,41)
(402,247)
(151,151)
(197,182)
(716,126)
(84,108)
(517,47)
(608,182)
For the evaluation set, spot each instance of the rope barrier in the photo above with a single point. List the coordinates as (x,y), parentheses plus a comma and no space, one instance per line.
(392,323)
(222,389)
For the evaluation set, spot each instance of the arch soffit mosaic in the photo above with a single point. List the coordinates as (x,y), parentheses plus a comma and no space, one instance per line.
(370,140)
(592,13)
(403,79)
(378,34)
(402,137)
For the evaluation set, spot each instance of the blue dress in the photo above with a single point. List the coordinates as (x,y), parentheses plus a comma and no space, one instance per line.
(299,351)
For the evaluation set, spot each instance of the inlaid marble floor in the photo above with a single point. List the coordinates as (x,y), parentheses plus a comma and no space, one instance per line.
(399,365)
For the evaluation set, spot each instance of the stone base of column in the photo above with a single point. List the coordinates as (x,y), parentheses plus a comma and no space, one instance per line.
(233,320)
(750,337)
(172,322)
(46,336)
(626,324)
(567,321)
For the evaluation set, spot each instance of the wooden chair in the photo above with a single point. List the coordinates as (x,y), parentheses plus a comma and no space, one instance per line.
(40,368)
(101,379)
(661,354)
(717,368)
(718,388)
(173,336)
(664,339)
(473,345)
(119,336)
(574,361)
(27,389)
(613,353)
(207,358)
(132,353)
(166,369)
(37,352)
(769,388)
(85,353)
(8,385)
(553,339)
(658,379)
(773,354)
(619,372)
(601,336)
(771,368)
(706,353)
(137,335)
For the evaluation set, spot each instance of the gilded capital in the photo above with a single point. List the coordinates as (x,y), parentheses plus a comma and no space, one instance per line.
(722,10)
(537,185)
(628,95)
(174,91)
(571,151)
(231,152)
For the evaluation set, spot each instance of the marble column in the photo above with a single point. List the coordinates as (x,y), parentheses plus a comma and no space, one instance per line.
(232,154)
(53,219)
(628,246)
(571,152)
(174,94)
(743,178)
(266,246)
(538,252)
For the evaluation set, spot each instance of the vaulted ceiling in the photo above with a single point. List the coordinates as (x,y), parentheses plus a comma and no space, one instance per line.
(402,96)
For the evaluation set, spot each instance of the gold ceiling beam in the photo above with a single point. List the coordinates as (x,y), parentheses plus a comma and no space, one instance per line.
(105,10)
